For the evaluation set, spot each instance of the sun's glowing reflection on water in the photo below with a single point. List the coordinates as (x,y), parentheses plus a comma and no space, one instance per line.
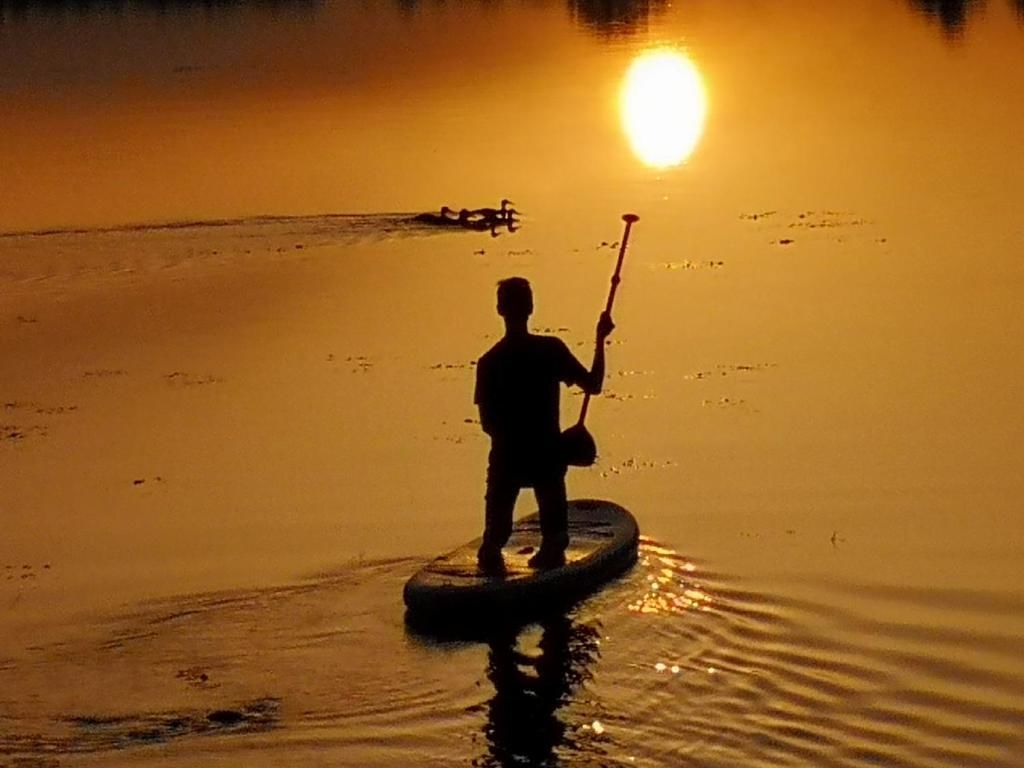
(671,586)
(663,107)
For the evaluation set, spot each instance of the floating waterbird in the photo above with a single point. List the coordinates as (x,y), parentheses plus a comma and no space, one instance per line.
(480,219)
(498,214)
(437,218)
(472,220)
(485,224)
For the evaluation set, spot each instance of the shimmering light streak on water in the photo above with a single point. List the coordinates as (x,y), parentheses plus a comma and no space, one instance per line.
(671,584)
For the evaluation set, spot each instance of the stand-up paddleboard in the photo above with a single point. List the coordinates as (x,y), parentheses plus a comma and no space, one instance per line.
(603,540)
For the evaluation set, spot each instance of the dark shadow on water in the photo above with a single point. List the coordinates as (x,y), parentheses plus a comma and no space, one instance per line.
(606,19)
(525,725)
(954,16)
(24,10)
(951,15)
(615,18)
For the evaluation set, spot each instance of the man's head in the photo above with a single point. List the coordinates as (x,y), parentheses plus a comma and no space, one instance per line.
(515,298)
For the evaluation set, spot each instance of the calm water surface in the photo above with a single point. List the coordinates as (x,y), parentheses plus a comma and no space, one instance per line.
(813,410)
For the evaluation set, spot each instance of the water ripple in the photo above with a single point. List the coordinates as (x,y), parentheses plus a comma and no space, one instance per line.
(738,677)
(672,665)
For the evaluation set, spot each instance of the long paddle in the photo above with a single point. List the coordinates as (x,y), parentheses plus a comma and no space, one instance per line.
(578,444)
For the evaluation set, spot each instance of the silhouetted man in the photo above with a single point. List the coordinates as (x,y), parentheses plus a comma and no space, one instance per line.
(517,391)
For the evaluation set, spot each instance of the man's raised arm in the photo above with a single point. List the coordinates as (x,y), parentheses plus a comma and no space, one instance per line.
(595,377)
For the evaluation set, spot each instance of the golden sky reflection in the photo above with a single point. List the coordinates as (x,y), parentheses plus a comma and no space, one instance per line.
(663,107)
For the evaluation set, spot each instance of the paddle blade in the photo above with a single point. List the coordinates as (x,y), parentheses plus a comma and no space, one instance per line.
(578,446)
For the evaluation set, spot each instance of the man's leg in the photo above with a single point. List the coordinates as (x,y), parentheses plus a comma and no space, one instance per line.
(554,520)
(499,504)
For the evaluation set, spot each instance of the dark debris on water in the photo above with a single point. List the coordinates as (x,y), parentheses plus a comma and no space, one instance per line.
(96,733)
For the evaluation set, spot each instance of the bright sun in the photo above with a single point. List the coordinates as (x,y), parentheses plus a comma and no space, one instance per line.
(663,107)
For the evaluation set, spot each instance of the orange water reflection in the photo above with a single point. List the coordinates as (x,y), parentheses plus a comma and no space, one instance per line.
(663,106)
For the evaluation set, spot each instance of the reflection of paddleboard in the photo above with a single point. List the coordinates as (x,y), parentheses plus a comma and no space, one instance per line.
(603,541)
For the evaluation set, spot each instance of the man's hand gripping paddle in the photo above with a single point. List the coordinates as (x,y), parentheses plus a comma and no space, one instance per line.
(578,446)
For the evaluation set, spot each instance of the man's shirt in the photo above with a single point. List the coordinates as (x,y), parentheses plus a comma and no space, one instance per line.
(517,389)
